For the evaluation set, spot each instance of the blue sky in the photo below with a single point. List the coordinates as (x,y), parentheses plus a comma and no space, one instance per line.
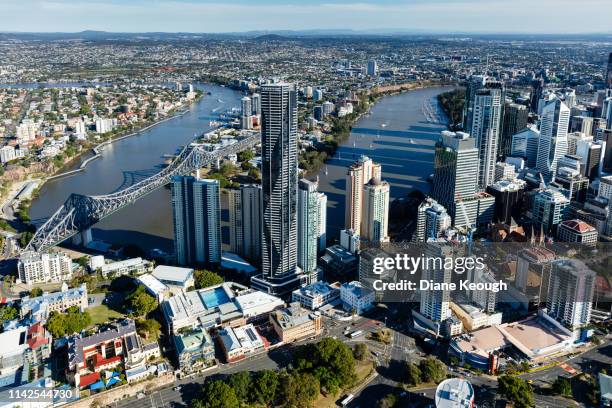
(498,16)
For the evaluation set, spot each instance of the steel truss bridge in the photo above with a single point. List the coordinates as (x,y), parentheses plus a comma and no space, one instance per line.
(80,212)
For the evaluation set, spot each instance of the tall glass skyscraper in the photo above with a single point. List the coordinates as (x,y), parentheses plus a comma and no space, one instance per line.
(486,127)
(279,180)
(196,213)
(553,137)
(308,224)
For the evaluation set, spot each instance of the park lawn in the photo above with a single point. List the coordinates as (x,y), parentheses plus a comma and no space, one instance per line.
(102,314)
(362,369)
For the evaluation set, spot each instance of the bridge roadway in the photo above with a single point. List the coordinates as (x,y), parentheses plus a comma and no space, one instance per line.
(80,212)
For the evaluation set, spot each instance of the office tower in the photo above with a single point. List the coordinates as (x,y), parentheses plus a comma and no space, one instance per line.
(590,154)
(196,212)
(435,304)
(360,173)
(432,221)
(574,138)
(570,292)
(317,95)
(537,87)
(606,112)
(525,144)
(308,225)
(570,178)
(256,104)
(328,108)
(246,119)
(486,127)
(477,210)
(318,112)
(178,86)
(308,92)
(245,217)
(569,97)
(475,83)
(605,187)
(609,72)
(582,124)
(279,177)
(504,171)
(375,221)
(508,196)
(605,136)
(577,231)
(533,271)
(553,137)
(372,68)
(515,120)
(455,170)
(322,206)
(550,207)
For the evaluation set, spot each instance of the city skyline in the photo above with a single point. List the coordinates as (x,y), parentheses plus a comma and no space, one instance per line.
(388,16)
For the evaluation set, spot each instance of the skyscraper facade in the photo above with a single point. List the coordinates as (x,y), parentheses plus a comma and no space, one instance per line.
(432,220)
(537,87)
(550,207)
(570,292)
(475,83)
(515,120)
(455,170)
(609,72)
(372,68)
(256,104)
(246,120)
(308,225)
(245,218)
(375,223)
(487,117)
(360,173)
(553,137)
(279,179)
(196,213)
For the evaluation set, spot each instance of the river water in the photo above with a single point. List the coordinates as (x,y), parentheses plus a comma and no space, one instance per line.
(396,134)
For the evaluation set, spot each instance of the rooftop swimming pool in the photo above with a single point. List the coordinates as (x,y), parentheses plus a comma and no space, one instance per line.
(214,298)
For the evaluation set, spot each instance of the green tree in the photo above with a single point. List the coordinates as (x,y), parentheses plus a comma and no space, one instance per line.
(516,390)
(72,321)
(8,313)
(432,370)
(204,278)
(245,155)
(360,351)
(241,383)
(148,328)
(562,386)
(298,390)
(36,292)
(265,386)
(413,374)
(389,401)
(255,174)
(141,302)
(26,236)
(330,361)
(216,394)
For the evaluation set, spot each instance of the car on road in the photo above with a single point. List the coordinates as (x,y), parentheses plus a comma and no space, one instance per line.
(177,388)
(140,395)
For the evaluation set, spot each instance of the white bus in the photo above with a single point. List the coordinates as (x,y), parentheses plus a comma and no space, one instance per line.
(346,400)
(356,333)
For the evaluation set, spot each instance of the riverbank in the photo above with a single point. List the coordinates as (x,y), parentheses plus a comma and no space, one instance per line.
(315,159)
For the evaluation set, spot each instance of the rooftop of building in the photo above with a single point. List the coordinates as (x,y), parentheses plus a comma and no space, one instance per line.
(318,288)
(121,264)
(195,339)
(172,273)
(292,316)
(152,283)
(577,226)
(357,289)
(538,254)
(454,393)
(124,328)
(69,294)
